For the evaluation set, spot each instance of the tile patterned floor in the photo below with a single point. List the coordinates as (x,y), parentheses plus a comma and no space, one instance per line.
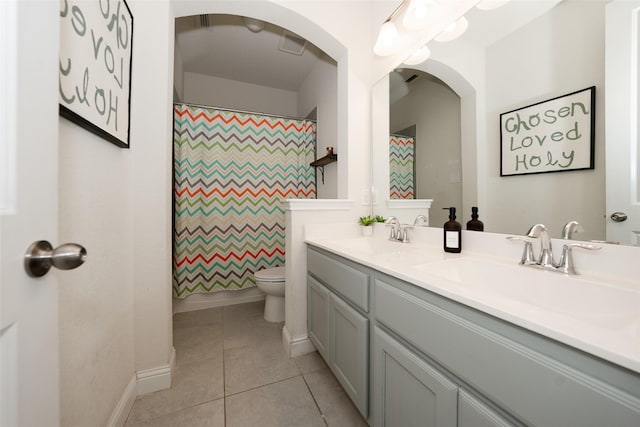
(231,370)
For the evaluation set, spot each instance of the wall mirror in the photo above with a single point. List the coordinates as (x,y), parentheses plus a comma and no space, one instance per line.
(523,53)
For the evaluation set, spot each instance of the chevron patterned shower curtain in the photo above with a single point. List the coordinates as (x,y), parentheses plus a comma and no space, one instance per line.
(401,169)
(232,171)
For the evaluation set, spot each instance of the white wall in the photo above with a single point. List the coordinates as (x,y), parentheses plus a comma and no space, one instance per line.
(96,301)
(435,110)
(558,53)
(218,92)
(319,90)
(115,312)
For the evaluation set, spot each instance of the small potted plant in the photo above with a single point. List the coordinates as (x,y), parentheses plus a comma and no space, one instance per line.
(367,225)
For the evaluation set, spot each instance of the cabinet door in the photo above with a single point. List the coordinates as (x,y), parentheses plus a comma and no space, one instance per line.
(318,316)
(348,349)
(408,391)
(474,413)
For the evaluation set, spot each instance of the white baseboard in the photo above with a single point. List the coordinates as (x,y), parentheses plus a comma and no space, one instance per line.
(142,382)
(155,379)
(296,346)
(216,299)
(124,405)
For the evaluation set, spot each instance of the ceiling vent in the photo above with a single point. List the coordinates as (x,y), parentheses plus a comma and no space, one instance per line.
(292,43)
(203,21)
(411,78)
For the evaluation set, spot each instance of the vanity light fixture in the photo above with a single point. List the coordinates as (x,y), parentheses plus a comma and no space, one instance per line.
(388,39)
(419,56)
(453,30)
(416,14)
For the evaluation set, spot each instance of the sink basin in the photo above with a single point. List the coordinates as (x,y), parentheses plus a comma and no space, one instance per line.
(583,300)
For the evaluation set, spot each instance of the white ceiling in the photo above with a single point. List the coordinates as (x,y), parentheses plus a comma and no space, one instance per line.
(228,49)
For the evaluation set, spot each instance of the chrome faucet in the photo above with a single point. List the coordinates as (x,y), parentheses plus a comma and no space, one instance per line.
(571,228)
(421,221)
(545,260)
(546,251)
(398,231)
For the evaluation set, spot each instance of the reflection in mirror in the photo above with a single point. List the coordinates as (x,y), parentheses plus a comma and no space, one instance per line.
(423,106)
(402,174)
(523,53)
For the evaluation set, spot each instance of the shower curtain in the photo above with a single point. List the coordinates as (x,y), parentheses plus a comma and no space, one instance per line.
(232,170)
(401,167)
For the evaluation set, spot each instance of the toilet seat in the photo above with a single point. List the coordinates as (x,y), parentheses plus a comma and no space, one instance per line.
(274,274)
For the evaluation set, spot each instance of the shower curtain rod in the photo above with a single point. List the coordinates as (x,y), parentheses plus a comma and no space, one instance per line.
(234,110)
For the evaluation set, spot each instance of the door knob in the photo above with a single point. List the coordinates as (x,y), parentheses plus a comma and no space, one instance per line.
(619,216)
(41,256)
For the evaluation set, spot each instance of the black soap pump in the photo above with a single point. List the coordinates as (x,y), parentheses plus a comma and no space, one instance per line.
(452,233)
(475,224)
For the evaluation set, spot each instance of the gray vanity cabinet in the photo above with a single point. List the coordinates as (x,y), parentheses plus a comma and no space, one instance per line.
(408,391)
(530,379)
(337,321)
(434,361)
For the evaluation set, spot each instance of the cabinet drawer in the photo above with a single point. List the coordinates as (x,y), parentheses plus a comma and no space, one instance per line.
(524,379)
(346,280)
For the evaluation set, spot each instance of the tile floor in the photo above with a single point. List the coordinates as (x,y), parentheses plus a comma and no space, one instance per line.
(231,370)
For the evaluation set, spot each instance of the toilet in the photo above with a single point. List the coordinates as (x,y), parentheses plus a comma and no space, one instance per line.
(271,282)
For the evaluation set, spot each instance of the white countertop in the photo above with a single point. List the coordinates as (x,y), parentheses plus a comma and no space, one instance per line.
(598,315)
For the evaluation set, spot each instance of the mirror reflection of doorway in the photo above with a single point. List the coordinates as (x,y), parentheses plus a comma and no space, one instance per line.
(425,103)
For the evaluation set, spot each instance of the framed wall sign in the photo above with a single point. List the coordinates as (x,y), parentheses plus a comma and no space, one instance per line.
(551,136)
(95,66)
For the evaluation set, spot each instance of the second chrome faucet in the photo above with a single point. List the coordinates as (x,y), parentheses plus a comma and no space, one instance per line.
(545,258)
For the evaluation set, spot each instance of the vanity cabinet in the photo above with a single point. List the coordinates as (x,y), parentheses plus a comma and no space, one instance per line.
(337,321)
(435,361)
(521,378)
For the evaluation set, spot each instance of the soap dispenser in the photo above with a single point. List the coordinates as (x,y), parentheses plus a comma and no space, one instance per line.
(475,224)
(452,233)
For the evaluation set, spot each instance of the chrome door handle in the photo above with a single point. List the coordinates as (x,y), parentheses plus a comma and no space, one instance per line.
(41,256)
(619,216)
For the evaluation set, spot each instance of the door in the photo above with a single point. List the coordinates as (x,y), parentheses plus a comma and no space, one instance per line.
(348,349)
(28,211)
(473,413)
(622,112)
(408,391)
(318,316)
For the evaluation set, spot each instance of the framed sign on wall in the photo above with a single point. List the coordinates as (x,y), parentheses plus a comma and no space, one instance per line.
(555,135)
(95,66)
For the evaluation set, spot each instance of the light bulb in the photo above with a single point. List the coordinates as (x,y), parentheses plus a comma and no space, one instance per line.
(387,39)
(453,30)
(419,56)
(415,17)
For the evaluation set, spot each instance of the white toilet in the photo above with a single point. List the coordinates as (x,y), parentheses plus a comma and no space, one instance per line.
(271,282)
